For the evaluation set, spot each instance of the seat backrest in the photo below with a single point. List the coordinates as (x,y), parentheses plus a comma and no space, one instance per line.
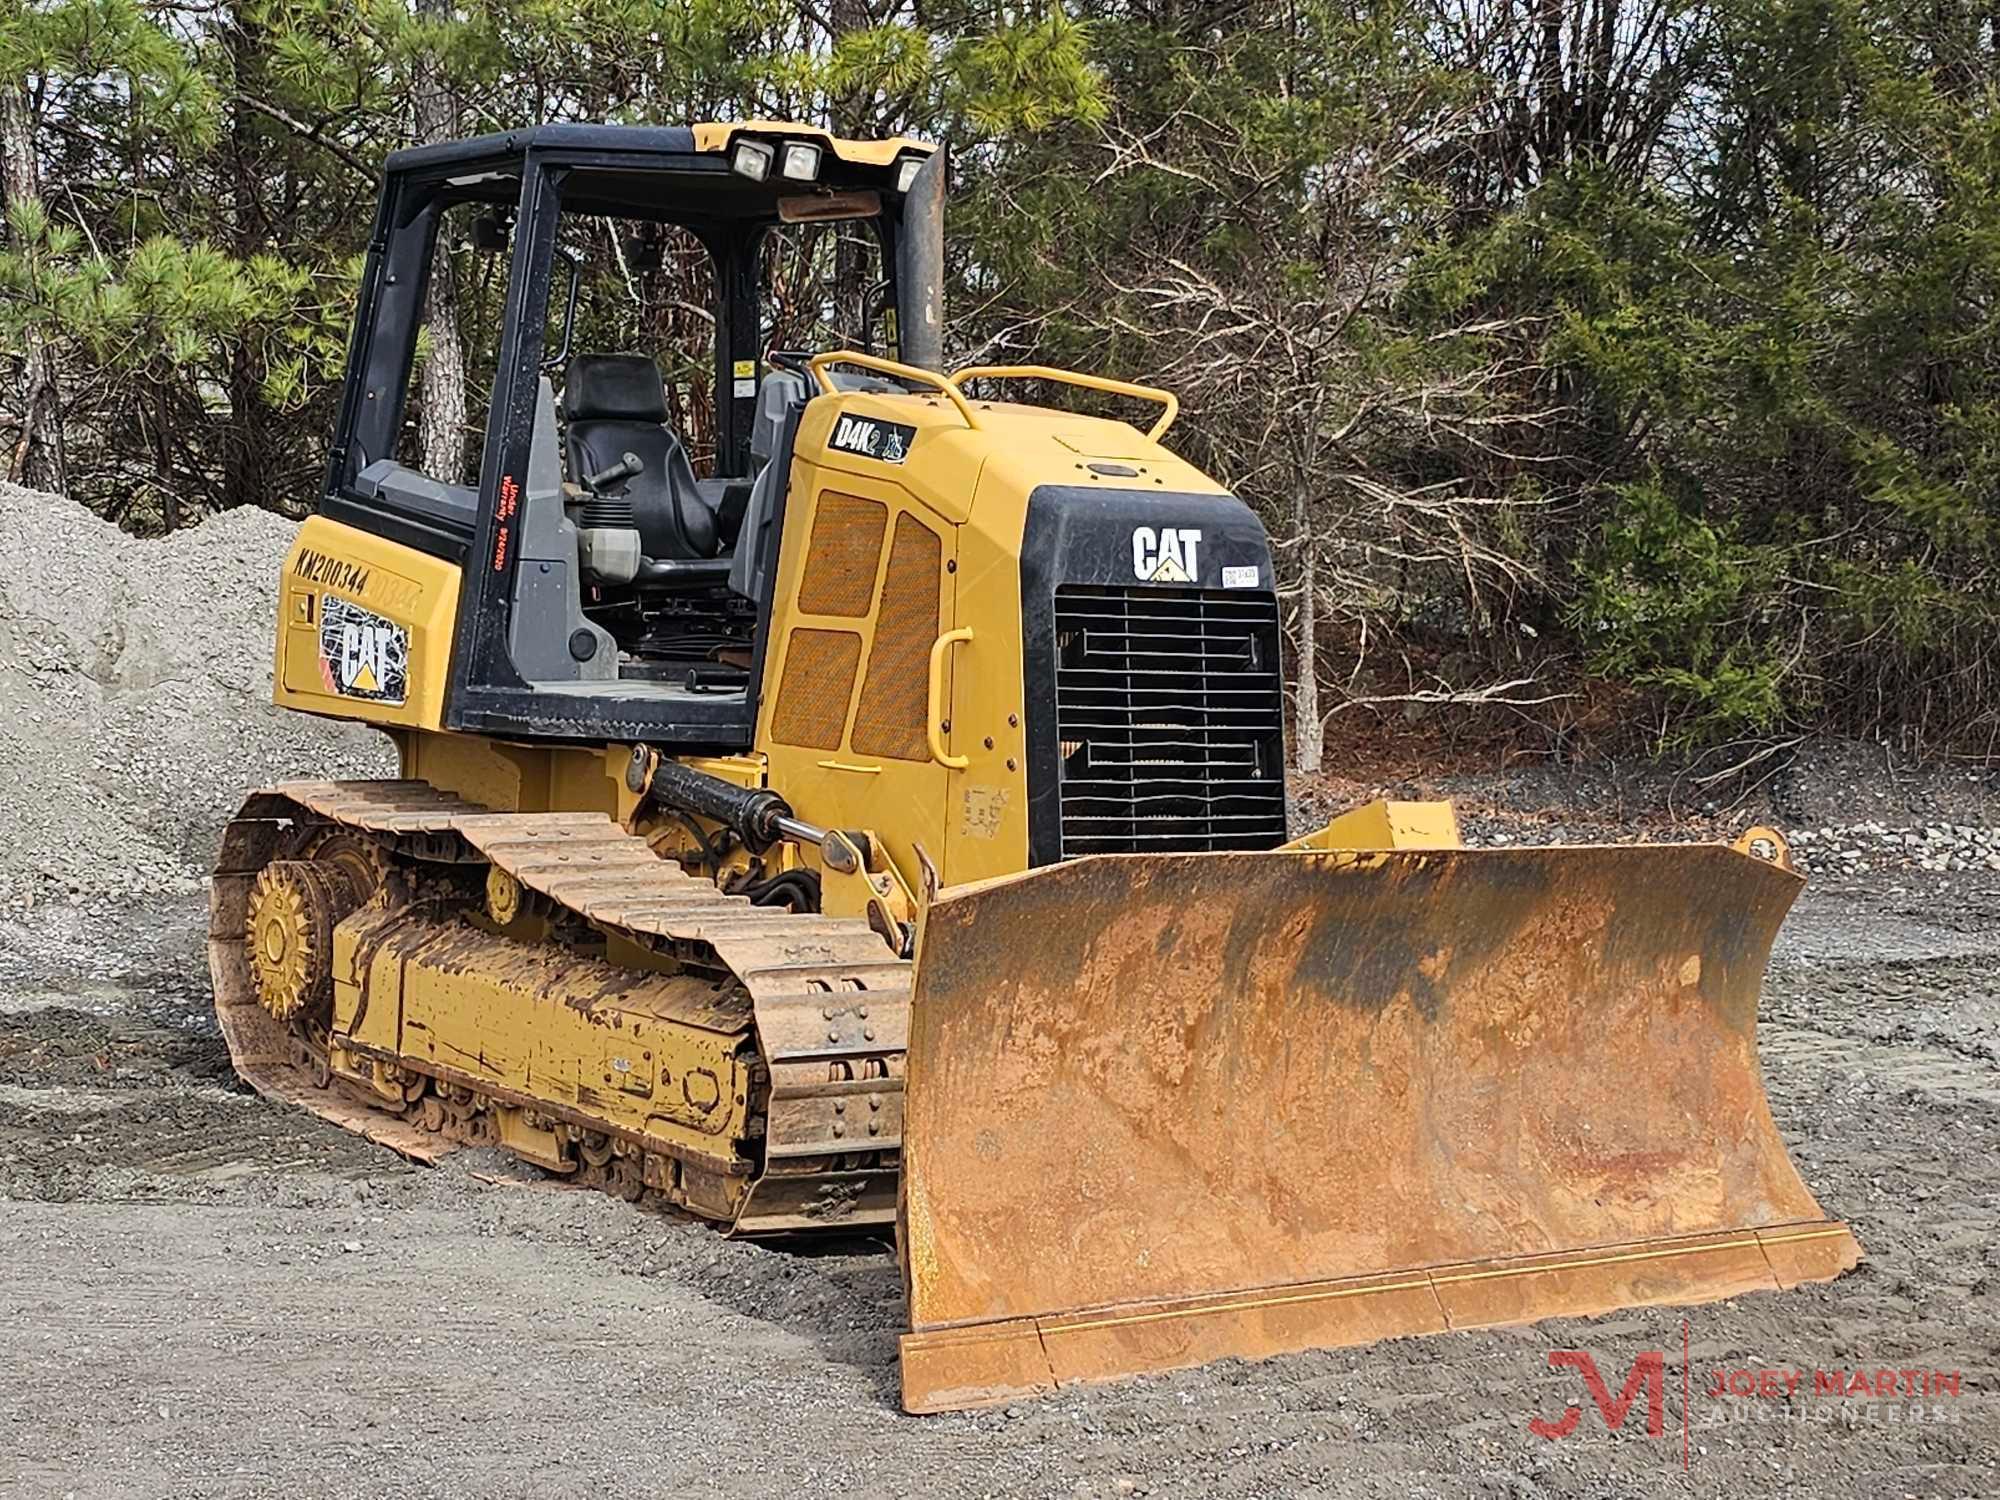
(780,391)
(617,404)
(779,401)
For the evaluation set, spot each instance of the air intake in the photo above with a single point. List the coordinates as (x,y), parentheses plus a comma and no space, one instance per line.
(1169,720)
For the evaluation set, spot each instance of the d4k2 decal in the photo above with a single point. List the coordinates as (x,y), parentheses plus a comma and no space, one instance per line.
(872,437)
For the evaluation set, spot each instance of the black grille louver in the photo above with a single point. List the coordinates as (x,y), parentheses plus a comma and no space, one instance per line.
(1169,720)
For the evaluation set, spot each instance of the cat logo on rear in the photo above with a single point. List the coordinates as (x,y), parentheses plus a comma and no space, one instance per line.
(362,654)
(1166,555)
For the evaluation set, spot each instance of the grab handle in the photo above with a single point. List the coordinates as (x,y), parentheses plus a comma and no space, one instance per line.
(1167,399)
(819,364)
(934,707)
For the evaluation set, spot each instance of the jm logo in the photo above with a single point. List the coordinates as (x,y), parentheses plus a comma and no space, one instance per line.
(1166,555)
(1648,1373)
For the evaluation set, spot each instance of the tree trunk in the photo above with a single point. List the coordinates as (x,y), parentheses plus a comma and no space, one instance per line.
(851,111)
(163,462)
(245,440)
(1308,732)
(441,394)
(38,460)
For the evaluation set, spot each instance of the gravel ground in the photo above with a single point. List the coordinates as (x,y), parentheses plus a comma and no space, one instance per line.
(206,1295)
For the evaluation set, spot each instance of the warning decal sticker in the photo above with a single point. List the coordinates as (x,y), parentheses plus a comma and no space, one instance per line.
(362,655)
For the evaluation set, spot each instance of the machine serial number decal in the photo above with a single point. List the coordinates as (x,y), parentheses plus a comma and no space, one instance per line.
(334,572)
(370,581)
(1239,578)
(1168,555)
(871,437)
(362,655)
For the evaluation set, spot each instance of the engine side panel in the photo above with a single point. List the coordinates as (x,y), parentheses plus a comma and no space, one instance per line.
(866,580)
(1031,499)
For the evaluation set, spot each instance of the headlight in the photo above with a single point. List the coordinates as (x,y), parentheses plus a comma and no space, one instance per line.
(751,159)
(906,172)
(800,162)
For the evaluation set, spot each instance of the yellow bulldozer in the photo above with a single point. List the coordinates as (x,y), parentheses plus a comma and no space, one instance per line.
(874,814)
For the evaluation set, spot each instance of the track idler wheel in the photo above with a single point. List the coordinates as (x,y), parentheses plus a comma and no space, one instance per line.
(294,907)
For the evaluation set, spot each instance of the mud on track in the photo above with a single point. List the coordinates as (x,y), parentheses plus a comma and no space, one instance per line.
(205,1295)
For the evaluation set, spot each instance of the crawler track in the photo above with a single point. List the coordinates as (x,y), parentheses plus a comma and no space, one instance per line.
(818,1005)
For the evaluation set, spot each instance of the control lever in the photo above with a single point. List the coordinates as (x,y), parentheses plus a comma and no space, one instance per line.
(631,466)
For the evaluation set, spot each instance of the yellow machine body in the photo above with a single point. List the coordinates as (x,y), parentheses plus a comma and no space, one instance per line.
(876,566)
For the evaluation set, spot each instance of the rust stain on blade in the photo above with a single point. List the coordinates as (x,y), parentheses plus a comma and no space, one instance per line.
(1243,1104)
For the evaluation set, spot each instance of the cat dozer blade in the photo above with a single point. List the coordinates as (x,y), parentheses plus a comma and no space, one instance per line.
(1163,1110)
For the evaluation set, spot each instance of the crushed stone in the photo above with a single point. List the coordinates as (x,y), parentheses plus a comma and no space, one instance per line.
(135,699)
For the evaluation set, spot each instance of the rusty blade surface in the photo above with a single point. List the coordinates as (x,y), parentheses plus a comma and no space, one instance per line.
(1167,1109)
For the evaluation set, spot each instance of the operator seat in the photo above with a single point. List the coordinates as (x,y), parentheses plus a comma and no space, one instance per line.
(617,404)
(780,399)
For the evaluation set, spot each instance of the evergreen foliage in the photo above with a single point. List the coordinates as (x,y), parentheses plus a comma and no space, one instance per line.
(1607,370)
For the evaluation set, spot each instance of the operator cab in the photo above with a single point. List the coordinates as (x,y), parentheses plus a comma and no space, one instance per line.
(625,297)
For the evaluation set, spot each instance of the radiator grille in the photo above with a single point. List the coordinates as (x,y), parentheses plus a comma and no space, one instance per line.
(1169,720)
(812,695)
(896,694)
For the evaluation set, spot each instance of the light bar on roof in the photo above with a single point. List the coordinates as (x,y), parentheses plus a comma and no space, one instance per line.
(751,159)
(799,161)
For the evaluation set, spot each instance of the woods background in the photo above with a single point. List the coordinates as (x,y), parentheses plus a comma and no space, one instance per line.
(1610,374)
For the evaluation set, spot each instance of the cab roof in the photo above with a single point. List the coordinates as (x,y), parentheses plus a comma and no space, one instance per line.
(702,139)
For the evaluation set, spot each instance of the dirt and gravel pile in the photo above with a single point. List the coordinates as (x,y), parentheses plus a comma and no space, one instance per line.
(135,681)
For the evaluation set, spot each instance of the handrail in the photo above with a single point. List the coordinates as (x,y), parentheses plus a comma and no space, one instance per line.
(933,723)
(951,386)
(1168,399)
(820,363)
